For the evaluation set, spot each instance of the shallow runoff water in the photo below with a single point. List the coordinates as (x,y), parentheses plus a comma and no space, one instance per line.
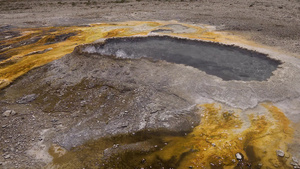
(224,61)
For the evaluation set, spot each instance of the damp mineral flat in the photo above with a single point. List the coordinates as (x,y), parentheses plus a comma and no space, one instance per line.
(39,46)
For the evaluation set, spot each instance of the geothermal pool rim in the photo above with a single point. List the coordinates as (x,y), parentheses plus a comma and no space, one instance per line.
(259,66)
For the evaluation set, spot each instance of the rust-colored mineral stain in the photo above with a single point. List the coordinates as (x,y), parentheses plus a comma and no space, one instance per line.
(213,144)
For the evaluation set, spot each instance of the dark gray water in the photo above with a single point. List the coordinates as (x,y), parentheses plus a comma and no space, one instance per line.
(226,62)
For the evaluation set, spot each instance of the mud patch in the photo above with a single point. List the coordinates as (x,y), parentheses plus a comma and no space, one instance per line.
(226,62)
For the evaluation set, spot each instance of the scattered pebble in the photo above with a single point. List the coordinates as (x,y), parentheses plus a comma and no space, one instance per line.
(27,99)
(7,113)
(115,145)
(295,162)
(280,153)
(259,165)
(83,103)
(7,156)
(239,156)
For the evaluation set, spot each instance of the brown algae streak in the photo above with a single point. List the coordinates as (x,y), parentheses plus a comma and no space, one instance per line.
(213,144)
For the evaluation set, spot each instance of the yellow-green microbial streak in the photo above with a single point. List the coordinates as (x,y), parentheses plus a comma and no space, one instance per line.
(213,144)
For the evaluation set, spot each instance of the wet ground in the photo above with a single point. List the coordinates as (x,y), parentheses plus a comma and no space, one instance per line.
(63,107)
(213,144)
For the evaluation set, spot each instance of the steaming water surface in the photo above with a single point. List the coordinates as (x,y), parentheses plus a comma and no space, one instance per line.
(226,62)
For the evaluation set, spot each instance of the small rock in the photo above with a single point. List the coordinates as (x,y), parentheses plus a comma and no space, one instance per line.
(54,120)
(13,113)
(239,156)
(143,161)
(259,165)
(280,153)
(8,113)
(83,103)
(27,99)
(115,145)
(7,156)
(294,161)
